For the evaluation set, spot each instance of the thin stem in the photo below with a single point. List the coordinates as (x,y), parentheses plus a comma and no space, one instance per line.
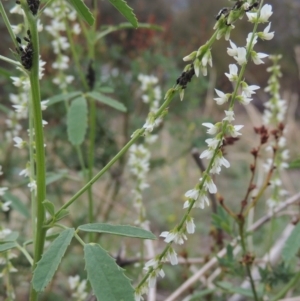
(134,138)
(243,245)
(39,216)
(13,62)
(25,253)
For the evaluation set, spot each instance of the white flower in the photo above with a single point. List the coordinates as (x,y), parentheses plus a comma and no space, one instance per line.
(190,226)
(213,142)
(177,237)
(256,57)
(266,35)
(76,29)
(241,55)
(244,99)
(249,90)
(44,104)
(234,130)
(192,194)
(4,233)
(249,38)
(2,190)
(6,206)
(265,13)
(208,154)
(229,115)
(172,256)
(19,142)
(202,201)
(209,185)
(212,129)
(32,186)
(233,69)
(222,97)
(233,51)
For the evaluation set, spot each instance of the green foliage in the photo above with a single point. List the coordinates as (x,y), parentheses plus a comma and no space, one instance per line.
(77,120)
(295,164)
(51,259)
(106,277)
(272,276)
(292,245)
(62,97)
(83,11)
(107,100)
(16,204)
(7,246)
(126,11)
(221,220)
(53,177)
(49,207)
(13,236)
(61,214)
(229,263)
(122,230)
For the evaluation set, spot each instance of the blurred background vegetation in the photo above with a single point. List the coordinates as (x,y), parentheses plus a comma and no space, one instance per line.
(120,58)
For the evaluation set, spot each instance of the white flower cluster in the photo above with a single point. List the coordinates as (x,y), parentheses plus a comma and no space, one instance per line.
(58,12)
(198,196)
(274,115)
(6,205)
(79,287)
(6,264)
(152,96)
(139,154)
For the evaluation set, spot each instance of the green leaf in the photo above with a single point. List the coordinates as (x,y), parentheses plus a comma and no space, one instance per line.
(16,204)
(107,279)
(83,11)
(107,100)
(292,245)
(105,89)
(62,214)
(49,207)
(62,97)
(109,29)
(121,230)
(51,259)
(126,11)
(13,236)
(221,220)
(77,120)
(7,246)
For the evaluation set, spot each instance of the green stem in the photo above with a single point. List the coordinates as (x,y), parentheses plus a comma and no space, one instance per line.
(134,138)
(39,216)
(241,224)
(6,59)
(26,254)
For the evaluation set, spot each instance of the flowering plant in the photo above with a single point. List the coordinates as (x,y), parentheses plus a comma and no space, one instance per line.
(104,277)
